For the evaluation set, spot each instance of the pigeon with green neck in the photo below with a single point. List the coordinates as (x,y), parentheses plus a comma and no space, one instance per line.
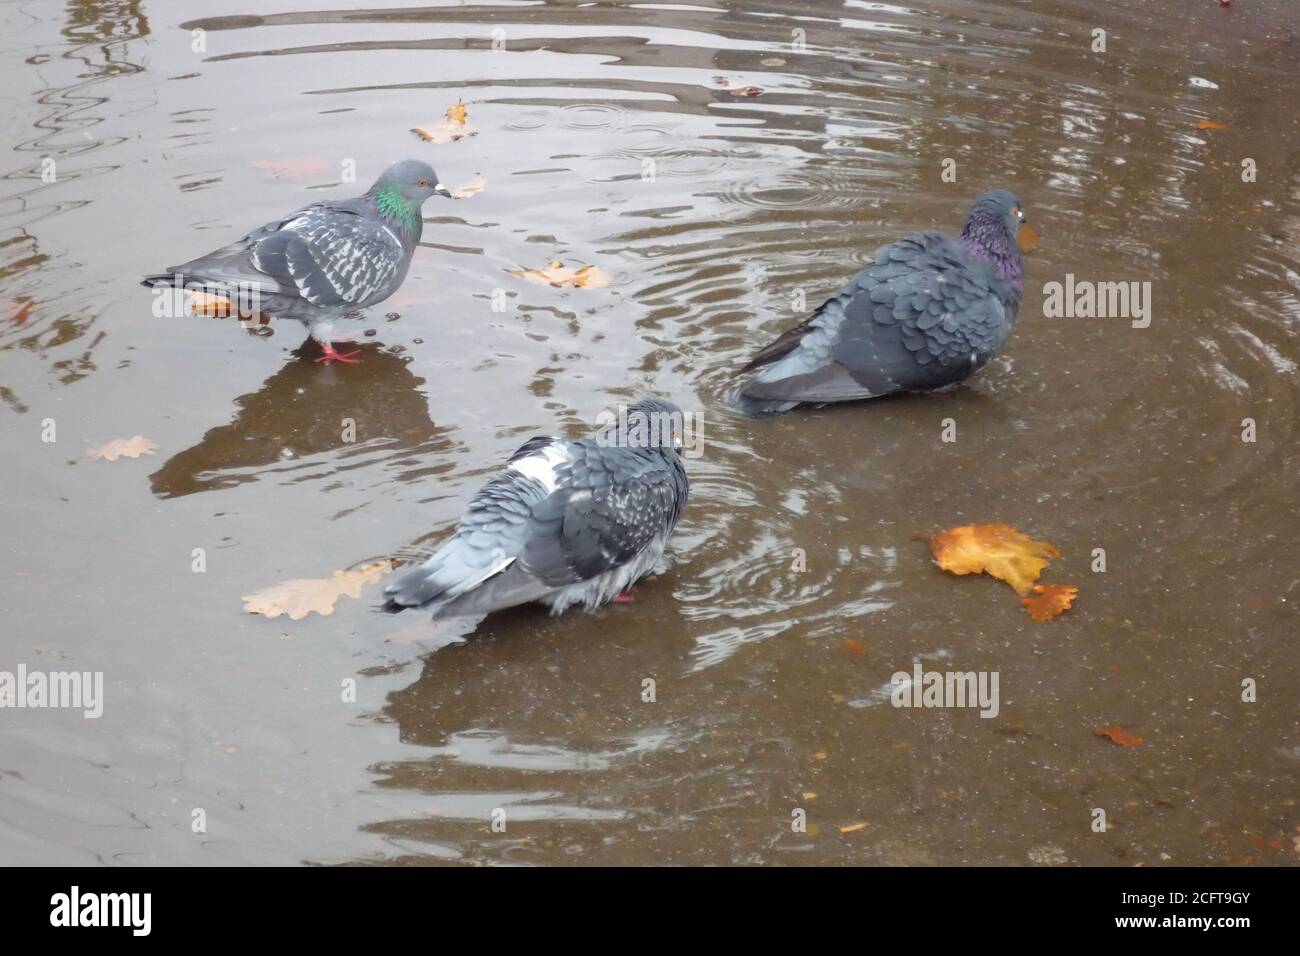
(325,261)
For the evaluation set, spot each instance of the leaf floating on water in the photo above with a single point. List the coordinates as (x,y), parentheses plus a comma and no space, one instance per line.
(453,126)
(20,312)
(772,61)
(997,549)
(301,596)
(1028,239)
(748,91)
(559,275)
(854,827)
(293,168)
(853,646)
(132,447)
(1118,736)
(471,188)
(1050,601)
(1210,124)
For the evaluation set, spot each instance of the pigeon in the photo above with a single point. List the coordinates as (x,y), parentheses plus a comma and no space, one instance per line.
(325,260)
(565,522)
(929,312)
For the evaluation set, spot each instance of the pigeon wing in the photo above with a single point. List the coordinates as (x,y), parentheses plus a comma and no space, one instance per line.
(924,315)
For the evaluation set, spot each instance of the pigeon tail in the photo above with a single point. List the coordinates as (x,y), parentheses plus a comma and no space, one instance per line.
(754,407)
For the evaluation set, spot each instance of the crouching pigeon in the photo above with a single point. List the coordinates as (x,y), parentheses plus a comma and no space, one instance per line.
(323,261)
(929,312)
(564,522)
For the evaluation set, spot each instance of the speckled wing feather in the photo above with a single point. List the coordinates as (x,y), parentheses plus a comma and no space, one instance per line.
(328,254)
(333,257)
(924,315)
(610,505)
(560,513)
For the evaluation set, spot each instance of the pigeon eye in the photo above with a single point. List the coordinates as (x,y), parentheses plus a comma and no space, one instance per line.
(424,182)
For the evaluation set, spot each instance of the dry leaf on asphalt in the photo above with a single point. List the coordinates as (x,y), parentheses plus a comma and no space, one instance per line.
(301,596)
(560,275)
(123,448)
(998,549)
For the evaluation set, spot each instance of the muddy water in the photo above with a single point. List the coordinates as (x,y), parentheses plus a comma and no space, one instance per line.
(605,138)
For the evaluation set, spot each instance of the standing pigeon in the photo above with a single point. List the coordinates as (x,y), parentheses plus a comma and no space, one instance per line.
(565,522)
(930,311)
(323,261)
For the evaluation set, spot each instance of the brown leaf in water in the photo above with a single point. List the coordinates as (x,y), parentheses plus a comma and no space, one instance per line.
(1118,736)
(453,126)
(998,549)
(301,596)
(293,168)
(123,448)
(1050,600)
(198,302)
(20,312)
(853,646)
(1028,239)
(854,827)
(471,188)
(559,275)
(1210,124)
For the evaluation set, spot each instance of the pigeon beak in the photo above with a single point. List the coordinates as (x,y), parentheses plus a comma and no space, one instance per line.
(442,190)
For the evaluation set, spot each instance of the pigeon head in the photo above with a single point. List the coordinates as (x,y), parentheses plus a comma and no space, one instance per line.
(992,230)
(649,423)
(399,193)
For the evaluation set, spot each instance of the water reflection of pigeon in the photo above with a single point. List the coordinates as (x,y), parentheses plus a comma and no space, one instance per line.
(565,522)
(929,312)
(325,260)
(300,427)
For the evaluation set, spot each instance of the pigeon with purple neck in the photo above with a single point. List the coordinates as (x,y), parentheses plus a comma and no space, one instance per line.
(325,261)
(924,316)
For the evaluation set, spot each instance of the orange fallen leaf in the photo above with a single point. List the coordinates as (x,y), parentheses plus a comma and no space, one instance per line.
(471,188)
(1050,600)
(1118,736)
(453,126)
(559,275)
(123,448)
(853,827)
(852,645)
(20,312)
(1028,239)
(294,168)
(1210,124)
(301,596)
(217,306)
(997,549)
